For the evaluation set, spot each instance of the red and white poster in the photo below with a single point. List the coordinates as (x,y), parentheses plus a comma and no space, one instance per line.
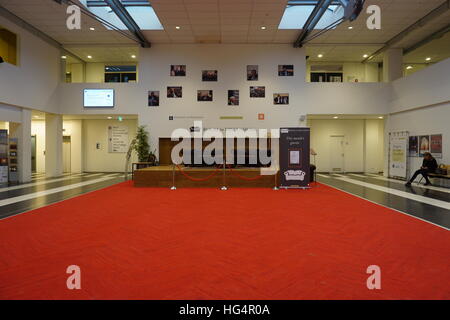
(436,145)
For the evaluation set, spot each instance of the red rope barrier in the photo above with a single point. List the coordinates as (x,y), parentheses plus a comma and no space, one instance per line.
(242,177)
(197,179)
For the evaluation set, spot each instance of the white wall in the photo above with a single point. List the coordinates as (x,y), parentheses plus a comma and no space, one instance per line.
(374,146)
(426,121)
(363,146)
(33,83)
(231,62)
(100,160)
(428,87)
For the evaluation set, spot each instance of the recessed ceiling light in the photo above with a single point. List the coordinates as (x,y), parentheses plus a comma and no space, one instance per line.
(263,28)
(365,56)
(320,55)
(428,59)
(409,67)
(63,57)
(109,118)
(178,27)
(89,57)
(92,28)
(350,28)
(380,117)
(133,56)
(335,117)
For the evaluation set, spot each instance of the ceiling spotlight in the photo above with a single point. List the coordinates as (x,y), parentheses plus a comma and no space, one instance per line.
(92,28)
(320,55)
(109,118)
(133,56)
(178,27)
(335,117)
(409,67)
(365,56)
(263,28)
(350,28)
(63,57)
(89,57)
(428,59)
(380,117)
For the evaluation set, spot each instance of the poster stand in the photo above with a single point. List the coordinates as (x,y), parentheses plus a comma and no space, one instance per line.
(398,159)
(295,158)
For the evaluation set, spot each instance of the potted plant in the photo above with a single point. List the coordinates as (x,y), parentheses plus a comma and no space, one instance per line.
(142,147)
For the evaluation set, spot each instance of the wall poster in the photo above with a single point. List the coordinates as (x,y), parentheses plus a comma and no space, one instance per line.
(436,145)
(413,146)
(424,145)
(117,139)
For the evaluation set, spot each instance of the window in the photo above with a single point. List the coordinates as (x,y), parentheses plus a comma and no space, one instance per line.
(120,74)
(8,46)
(297,13)
(326,76)
(140,10)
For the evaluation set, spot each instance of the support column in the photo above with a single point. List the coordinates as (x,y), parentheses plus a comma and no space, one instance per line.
(22,131)
(392,65)
(53,145)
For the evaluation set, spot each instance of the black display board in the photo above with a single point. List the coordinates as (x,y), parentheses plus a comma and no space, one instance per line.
(294,157)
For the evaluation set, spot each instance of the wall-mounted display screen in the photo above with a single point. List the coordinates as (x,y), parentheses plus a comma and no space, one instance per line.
(99,98)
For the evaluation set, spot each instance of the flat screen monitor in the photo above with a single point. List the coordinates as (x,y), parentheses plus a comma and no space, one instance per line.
(98,98)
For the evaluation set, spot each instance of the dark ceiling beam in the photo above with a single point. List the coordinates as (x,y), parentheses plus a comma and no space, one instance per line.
(128,21)
(443,8)
(438,34)
(312,21)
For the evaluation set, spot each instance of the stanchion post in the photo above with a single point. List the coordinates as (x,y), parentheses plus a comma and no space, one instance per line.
(275,187)
(173,177)
(223,181)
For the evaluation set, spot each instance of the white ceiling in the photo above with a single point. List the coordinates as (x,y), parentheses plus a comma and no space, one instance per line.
(239,21)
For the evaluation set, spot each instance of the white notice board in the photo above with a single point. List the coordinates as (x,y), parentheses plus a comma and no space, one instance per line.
(117,139)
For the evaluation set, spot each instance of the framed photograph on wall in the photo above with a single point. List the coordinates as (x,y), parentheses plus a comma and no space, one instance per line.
(174,92)
(285,70)
(178,70)
(252,73)
(204,95)
(257,92)
(153,98)
(233,97)
(424,145)
(281,98)
(413,146)
(209,75)
(436,145)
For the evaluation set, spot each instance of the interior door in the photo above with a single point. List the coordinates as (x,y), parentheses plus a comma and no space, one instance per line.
(66,154)
(337,161)
(33,153)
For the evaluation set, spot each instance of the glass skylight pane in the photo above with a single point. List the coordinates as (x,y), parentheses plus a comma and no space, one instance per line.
(295,17)
(145,17)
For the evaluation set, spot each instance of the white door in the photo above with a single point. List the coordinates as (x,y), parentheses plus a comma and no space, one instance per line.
(337,154)
(66,154)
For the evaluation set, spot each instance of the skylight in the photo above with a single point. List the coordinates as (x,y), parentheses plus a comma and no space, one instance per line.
(140,10)
(297,13)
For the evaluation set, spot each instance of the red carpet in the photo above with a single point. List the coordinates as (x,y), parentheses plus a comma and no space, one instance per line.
(209,244)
